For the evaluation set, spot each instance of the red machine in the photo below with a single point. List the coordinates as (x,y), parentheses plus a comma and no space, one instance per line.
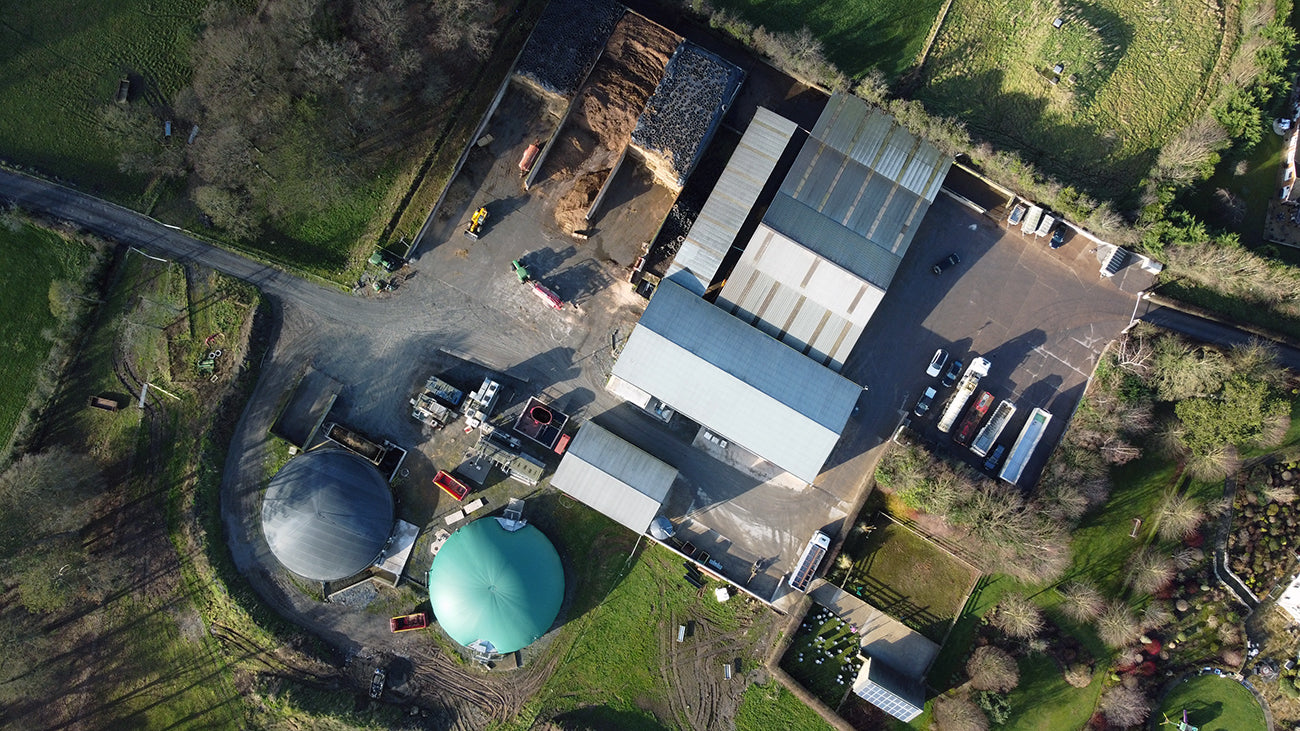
(451,485)
(408,622)
(550,298)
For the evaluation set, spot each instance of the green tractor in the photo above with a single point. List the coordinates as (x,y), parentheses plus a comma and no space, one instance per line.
(519,270)
(385,261)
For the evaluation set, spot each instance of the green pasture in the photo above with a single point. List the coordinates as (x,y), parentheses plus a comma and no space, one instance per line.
(771,706)
(62,60)
(40,271)
(857,36)
(1133,74)
(1213,703)
(831,642)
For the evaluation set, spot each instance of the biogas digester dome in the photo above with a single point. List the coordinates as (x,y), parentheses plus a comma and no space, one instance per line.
(494,588)
(327,514)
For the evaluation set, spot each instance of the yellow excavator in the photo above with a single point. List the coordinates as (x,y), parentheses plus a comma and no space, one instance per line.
(476,223)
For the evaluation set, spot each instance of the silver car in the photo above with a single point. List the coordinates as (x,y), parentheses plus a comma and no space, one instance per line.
(937,363)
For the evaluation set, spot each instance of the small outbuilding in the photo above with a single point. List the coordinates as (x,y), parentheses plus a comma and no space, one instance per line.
(614,477)
(496,590)
(327,514)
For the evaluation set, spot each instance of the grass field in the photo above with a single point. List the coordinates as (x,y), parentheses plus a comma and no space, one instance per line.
(613,672)
(141,657)
(857,36)
(910,578)
(61,61)
(822,654)
(32,261)
(771,706)
(1133,74)
(1213,704)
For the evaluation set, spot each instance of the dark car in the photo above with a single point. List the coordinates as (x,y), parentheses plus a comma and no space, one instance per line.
(995,456)
(951,261)
(923,404)
(1058,237)
(950,377)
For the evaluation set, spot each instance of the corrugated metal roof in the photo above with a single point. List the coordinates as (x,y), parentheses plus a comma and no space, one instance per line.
(742,384)
(800,298)
(875,139)
(714,231)
(614,477)
(842,246)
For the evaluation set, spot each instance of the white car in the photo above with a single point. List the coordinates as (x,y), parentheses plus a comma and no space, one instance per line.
(937,363)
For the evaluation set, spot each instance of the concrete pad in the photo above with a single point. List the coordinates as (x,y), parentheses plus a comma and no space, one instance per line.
(903,649)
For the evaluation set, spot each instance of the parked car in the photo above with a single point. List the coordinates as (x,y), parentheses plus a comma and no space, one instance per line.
(995,456)
(937,363)
(923,404)
(1058,237)
(950,377)
(1017,213)
(950,261)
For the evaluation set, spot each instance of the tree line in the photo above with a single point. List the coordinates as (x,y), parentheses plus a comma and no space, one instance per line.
(300,104)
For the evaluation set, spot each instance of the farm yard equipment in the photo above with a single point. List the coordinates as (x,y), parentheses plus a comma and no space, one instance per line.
(529,159)
(520,271)
(385,260)
(551,299)
(476,222)
(408,622)
(451,485)
(377,683)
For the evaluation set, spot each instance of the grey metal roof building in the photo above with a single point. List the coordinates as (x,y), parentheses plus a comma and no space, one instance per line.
(736,380)
(614,477)
(882,687)
(715,229)
(327,514)
(833,237)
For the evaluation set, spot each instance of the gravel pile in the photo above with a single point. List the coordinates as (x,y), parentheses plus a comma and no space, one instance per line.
(687,105)
(359,595)
(566,41)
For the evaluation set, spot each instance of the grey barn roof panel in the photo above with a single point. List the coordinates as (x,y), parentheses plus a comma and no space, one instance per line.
(746,386)
(614,477)
(844,247)
(714,231)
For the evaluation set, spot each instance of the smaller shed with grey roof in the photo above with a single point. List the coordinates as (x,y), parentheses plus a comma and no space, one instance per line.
(614,477)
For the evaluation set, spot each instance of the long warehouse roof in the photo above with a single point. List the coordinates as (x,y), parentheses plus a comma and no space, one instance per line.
(738,381)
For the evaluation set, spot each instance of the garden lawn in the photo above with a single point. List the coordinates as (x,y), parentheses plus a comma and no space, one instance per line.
(1045,702)
(1134,73)
(857,36)
(61,61)
(770,706)
(1214,703)
(32,260)
(910,578)
(823,637)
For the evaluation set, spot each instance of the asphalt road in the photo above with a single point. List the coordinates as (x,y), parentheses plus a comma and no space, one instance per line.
(1209,331)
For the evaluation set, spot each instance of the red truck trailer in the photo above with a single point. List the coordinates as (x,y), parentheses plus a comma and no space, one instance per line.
(408,622)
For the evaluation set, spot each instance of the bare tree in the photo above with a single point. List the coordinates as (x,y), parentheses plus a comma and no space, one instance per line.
(1155,616)
(1018,617)
(1078,675)
(991,668)
(1116,625)
(1081,601)
(1150,571)
(1177,516)
(1214,464)
(1124,706)
(958,713)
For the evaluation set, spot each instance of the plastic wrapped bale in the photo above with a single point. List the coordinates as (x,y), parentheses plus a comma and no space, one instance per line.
(566,42)
(685,110)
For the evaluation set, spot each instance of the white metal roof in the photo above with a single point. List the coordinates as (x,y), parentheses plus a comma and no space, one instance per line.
(737,381)
(733,196)
(799,298)
(614,477)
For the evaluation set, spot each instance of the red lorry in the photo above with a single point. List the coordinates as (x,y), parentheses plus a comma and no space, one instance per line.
(408,622)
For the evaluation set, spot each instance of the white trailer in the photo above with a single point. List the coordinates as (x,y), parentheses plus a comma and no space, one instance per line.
(992,430)
(1024,447)
(1030,224)
(965,389)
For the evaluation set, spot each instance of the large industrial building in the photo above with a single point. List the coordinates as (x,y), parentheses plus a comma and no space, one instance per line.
(736,380)
(614,477)
(825,251)
(496,589)
(327,515)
